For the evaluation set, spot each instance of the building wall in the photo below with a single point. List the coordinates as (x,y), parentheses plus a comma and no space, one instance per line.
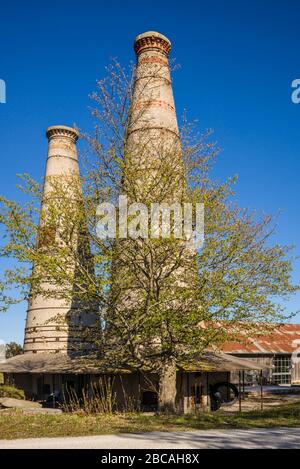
(193,390)
(132,391)
(23,381)
(252,377)
(296,373)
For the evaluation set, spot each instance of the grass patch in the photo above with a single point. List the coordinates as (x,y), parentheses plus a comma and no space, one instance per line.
(15,424)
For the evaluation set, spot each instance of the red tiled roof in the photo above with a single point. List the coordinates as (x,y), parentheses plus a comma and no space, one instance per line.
(280,340)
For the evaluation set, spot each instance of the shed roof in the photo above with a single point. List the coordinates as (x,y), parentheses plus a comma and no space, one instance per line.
(62,363)
(213,362)
(56,363)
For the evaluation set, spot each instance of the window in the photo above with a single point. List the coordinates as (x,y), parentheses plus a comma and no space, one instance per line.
(282,369)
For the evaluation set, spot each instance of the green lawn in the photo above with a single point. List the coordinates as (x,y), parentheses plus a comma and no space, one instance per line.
(14,424)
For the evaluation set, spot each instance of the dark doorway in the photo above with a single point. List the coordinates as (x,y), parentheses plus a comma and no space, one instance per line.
(149,401)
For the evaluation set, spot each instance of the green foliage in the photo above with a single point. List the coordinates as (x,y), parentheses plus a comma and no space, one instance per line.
(11,391)
(13,349)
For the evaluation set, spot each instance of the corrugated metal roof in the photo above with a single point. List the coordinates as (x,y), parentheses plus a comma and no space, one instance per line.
(280,340)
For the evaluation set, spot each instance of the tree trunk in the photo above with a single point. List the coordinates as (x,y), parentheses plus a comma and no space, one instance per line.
(167,388)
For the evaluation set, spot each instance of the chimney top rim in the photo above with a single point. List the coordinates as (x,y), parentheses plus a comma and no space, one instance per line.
(62,130)
(150,40)
(152,34)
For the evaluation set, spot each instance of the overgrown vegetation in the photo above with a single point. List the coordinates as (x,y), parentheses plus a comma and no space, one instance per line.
(98,398)
(11,391)
(15,424)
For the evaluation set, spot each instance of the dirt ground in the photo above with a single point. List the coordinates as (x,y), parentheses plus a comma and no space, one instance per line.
(268,401)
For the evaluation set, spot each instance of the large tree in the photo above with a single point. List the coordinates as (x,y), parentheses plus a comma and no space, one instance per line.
(12,349)
(159,302)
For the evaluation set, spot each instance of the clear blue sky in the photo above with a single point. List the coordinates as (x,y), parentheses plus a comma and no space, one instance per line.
(238,59)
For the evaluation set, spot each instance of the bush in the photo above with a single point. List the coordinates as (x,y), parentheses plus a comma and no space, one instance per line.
(11,391)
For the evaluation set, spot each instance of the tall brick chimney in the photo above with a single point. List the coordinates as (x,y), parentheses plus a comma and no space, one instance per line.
(152,138)
(153,166)
(153,88)
(47,324)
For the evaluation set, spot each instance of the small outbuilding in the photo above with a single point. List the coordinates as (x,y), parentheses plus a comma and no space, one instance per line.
(44,375)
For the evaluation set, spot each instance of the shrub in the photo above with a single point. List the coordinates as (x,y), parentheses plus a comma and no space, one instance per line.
(11,391)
